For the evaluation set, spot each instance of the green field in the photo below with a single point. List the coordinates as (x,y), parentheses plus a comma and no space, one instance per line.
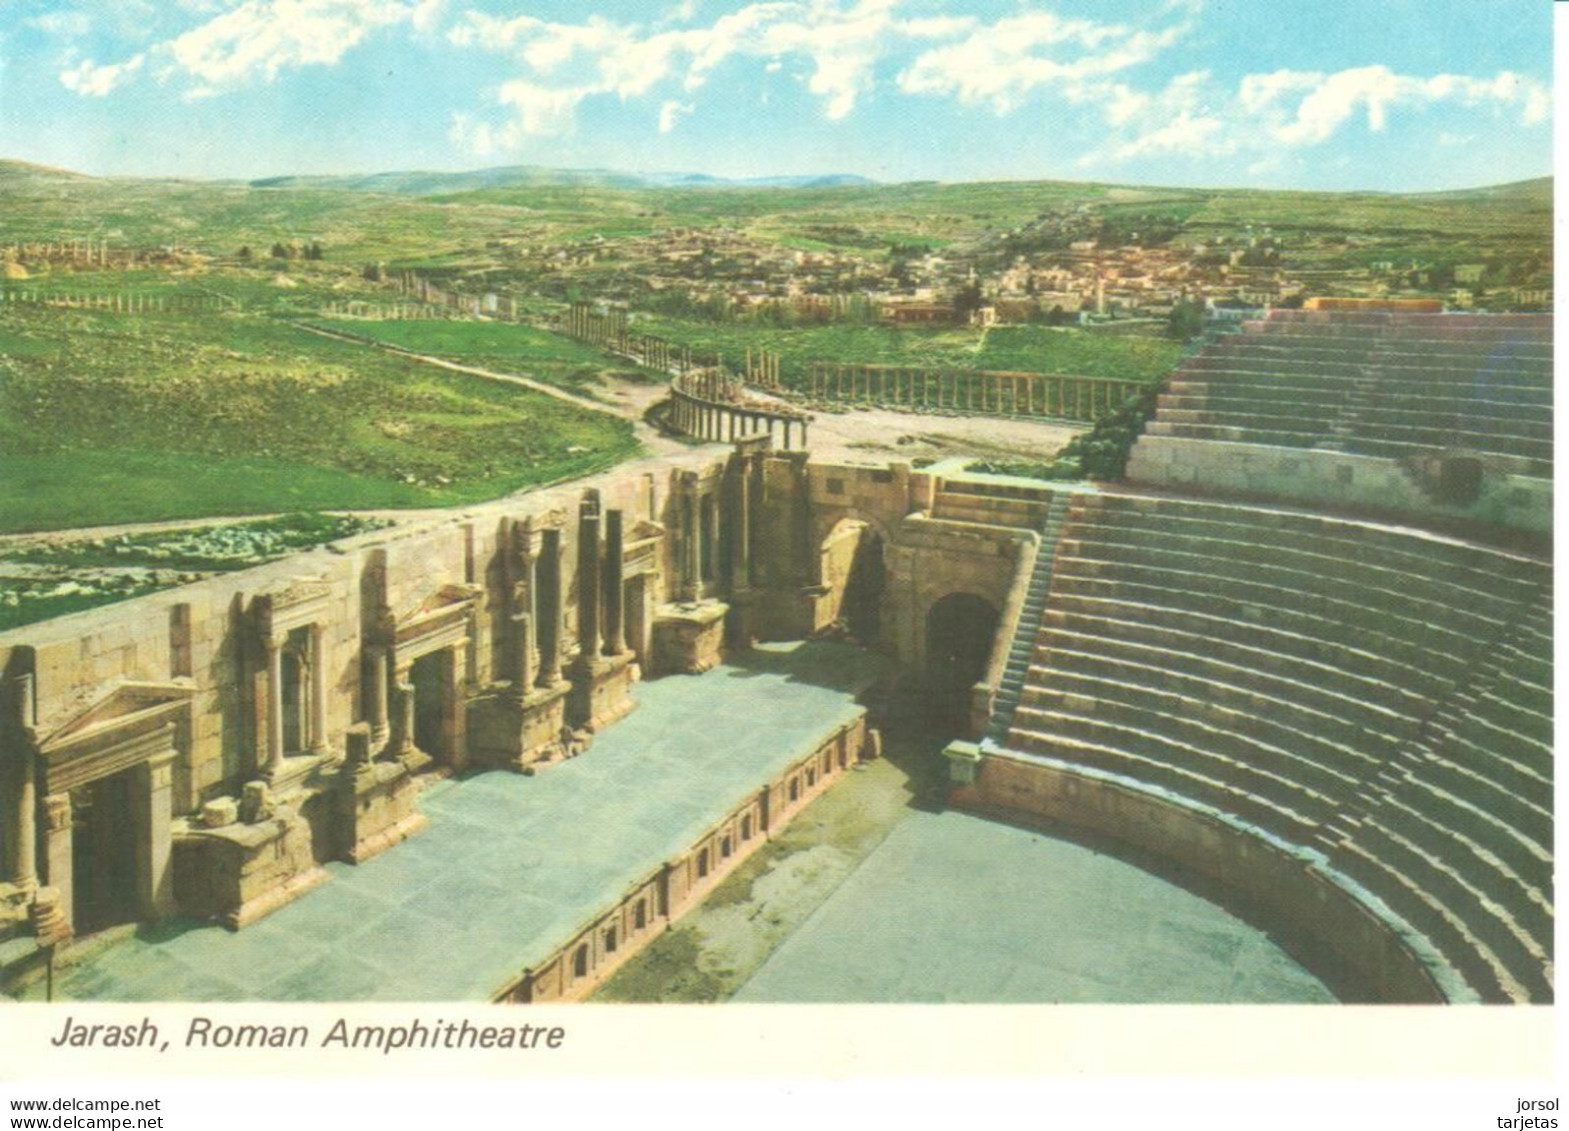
(499,346)
(83,574)
(114,418)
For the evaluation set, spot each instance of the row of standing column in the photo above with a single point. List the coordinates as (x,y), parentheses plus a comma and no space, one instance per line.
(723,424)
(1081,398)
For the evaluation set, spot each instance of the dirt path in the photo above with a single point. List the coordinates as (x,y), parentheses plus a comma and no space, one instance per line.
(623,399)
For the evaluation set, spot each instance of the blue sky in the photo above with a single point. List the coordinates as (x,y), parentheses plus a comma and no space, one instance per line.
(1339,94)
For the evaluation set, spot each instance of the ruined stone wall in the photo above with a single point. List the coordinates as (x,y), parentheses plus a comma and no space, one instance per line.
(1339,480)
(427,648)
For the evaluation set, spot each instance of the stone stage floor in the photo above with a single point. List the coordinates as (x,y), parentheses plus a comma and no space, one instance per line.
(511,866)
(955,908)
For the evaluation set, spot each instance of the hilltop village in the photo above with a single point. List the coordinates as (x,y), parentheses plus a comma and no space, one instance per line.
(1058,269)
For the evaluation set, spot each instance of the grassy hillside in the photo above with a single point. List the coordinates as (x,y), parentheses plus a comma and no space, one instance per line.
(114,418)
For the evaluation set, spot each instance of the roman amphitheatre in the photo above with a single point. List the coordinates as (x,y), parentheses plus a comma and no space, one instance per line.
(990,593)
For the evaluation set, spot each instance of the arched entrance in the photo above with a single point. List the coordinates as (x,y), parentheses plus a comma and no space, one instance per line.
(854,577)
(960,629)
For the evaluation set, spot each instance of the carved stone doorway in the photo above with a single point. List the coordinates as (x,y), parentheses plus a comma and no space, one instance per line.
(104,853)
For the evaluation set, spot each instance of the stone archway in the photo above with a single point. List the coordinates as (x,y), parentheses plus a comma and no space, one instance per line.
(960,629)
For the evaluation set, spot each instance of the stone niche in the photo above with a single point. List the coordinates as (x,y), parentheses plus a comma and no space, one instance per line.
(521,717)
(288,683)
(236,863)
(605,669)
(689,637)
(417,660)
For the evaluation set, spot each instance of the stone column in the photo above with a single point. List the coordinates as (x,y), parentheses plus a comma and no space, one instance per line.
(155,845)
(57,848)
(741,563)
(522,654)
(588,577)
(318,689)
(376,695)
(403,718)
(615,635)
(550,657)
(693,562)
(24,833)
(272,755)
(454,716)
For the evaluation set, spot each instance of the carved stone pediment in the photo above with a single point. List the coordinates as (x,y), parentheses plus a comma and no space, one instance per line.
(436,620)
(528,533)
(125,725)
(299,601)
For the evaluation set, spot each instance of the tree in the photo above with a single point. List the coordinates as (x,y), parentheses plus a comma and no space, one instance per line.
(966,301)
(1186,321)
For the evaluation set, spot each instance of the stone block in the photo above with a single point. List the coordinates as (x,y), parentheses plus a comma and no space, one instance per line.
(219,812)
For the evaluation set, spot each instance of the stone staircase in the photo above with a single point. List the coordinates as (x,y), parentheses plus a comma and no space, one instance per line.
(1029,624)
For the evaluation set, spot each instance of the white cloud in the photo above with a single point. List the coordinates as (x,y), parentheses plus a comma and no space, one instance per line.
(260,38)
(841,41)
(94,81)
(256,40)
(1186,133)
(1326,102)
(70,22)
(1006,62)
(542,111)
(1294,110)
(672,112)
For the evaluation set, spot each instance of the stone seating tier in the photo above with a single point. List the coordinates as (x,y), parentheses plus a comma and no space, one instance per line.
(1469,955)
(1376,693)
(1266,662)
(1480,568)
(1240,731)
(1348,617)
(1538,465)
(1310,388)
(1038,733)
(1385,386)
(1370,691)
(1420,604)
(1327,720)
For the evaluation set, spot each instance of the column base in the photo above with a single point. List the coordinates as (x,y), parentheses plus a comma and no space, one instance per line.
(513,733)
(601,690)
(377,809)
(295,772)
(689,637)
(239,872)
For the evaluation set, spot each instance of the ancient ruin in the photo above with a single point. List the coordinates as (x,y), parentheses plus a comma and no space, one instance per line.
(1304,653)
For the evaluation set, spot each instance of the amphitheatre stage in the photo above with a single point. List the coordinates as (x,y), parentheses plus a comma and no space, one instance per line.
(1302,656)
(965,909)
(542,855)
